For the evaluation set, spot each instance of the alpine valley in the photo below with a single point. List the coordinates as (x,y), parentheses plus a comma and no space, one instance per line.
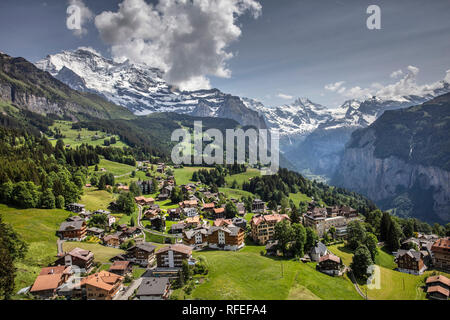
(313,137)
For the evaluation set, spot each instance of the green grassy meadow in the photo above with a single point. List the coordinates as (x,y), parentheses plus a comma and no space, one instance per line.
(102,254)
(37,227)
(86,136)
(248,275)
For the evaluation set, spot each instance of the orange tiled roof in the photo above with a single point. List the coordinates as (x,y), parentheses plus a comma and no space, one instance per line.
(443,243)
(222,222)
(439,289)
(331,257)
(440,278)
(269,217)
(219,210)
(47,282)
(102,280)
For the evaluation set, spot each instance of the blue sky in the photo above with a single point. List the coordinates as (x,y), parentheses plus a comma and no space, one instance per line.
(295,48)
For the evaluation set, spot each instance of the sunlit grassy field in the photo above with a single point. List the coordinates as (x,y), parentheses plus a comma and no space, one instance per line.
(37,227)
(102,253)
(95,199)
(78,137)
(248,275)
(394,285)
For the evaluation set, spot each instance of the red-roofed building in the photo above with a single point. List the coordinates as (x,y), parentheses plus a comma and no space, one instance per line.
(441,254)
(263,226)
(330,264)
(48,280)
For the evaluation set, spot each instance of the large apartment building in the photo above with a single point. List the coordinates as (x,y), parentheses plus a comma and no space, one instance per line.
(322,219)
(263,226)
(441,254)
(172,256)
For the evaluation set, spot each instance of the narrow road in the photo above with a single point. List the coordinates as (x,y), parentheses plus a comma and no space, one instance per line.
(125,174)
(128,291)
(142,228)
(358,289)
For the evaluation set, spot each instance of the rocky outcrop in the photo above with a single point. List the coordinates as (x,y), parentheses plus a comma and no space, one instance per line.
(382,180)
(234,108)
(27,87)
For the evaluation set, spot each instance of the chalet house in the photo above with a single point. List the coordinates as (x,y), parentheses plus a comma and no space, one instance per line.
(197,238)
(165,193)
(72,230)
(112,240)
(318,251)
(121,268)
(76,208)
(152,213)
(258,206)
(239,222)
(123,188)
(410,261)
(174,214)
(226,237)
(83,259)
(219,213)
(97,232)
(193,222)
(241,208)
(330,264)
(263,226)
(177,228)
(158,223)
(438,287)
(437,293)
(322,219)
(427,237)
(153,289)
(142,254)
(208,207)
(102,285)
(143,201)
(441,254)
(86,215)
(172,256)
(100,211)
(130,233)
(188,204)
(190,212)
(49,280)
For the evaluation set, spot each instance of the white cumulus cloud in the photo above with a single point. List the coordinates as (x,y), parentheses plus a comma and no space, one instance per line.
(405,86)
(284,96)
(396,74)
(187,39)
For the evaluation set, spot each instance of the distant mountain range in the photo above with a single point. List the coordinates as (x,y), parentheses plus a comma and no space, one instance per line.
(142,89)
(313,136)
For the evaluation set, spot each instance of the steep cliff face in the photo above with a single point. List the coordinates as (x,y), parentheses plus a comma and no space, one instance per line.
(234,108)
(402,161)
(27,87)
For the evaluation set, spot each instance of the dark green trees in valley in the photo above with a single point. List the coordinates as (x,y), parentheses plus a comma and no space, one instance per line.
(12,248)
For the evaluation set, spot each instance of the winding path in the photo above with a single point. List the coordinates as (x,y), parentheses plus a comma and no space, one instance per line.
(358,289)
(142,228)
